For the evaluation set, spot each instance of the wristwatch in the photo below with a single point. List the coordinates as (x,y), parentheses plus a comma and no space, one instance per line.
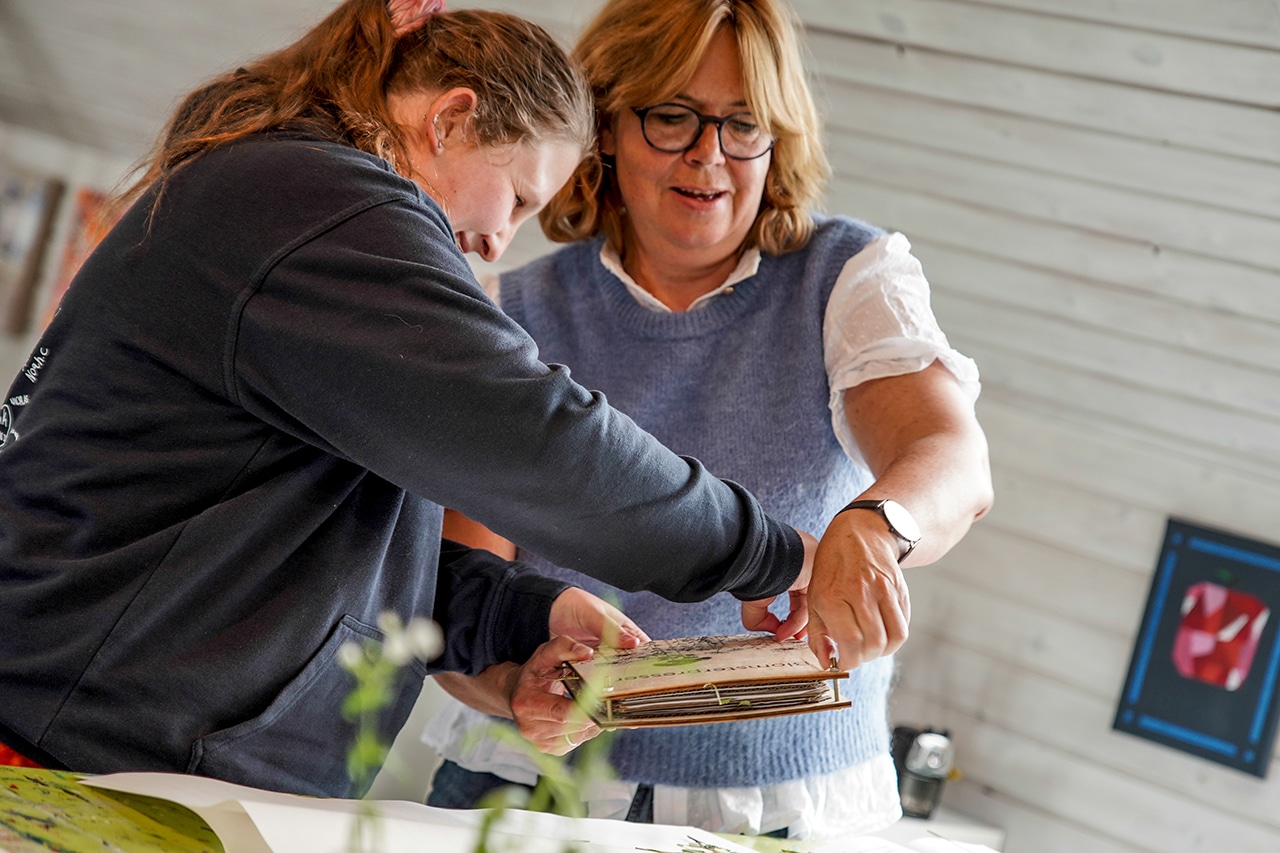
(899,521)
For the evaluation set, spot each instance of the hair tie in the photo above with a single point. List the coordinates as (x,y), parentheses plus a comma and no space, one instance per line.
(409,15)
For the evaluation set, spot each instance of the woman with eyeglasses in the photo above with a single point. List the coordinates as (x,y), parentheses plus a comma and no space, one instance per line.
(796,352)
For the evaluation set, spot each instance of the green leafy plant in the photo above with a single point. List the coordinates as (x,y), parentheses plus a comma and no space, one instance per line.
(561,787)
(375,667)
(562,781)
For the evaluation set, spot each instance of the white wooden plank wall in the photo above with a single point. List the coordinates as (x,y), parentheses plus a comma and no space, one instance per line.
(1094,189)
(83,69)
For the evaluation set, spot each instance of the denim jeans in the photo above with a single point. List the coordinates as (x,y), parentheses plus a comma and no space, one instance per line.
(455,787)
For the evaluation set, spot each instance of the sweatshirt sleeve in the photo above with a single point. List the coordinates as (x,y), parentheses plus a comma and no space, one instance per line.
(491,609)
(372,338)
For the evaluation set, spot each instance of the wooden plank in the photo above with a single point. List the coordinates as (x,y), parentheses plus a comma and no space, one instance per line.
(21,106)
(1085,49)
(251,26)
(1147,317)
(228,26)
(50,154)
(1159,117)
(1119,533)
(1177,480)
(173,48)
(1207,283)
(1192,228)
(188,40)
(1047,711)
(130,133)
(563,18)
(1154,366)
(1019,636)
(1128,811)
(98,95)
(1105,400)
(1251,22)
(1218,180)
(1003,559)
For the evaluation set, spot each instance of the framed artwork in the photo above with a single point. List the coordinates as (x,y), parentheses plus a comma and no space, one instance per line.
(27,205)
(1203,674)
(87,227)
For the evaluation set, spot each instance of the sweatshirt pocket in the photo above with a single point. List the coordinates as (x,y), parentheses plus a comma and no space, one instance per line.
(299,743)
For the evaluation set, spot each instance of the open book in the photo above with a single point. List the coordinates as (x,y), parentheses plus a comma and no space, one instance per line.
(703,680)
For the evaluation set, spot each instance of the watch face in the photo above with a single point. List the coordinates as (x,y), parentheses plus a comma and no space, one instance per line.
(896,514)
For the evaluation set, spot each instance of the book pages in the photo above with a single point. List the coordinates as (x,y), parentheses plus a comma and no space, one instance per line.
(703,680)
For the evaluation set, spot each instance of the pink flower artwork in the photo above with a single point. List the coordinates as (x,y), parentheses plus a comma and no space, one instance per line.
(1218,634)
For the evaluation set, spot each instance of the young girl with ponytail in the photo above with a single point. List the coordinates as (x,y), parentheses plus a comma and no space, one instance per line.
(228,453)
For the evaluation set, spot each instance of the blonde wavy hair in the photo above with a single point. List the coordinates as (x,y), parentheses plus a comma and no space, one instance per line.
(336,78)
(641,52)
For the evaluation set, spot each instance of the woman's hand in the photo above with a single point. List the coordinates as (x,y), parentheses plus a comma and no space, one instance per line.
(860,608)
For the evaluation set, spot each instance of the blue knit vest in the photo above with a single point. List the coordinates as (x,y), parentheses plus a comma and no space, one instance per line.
(740,384)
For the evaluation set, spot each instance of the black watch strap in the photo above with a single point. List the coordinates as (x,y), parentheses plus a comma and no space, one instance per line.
(885,508)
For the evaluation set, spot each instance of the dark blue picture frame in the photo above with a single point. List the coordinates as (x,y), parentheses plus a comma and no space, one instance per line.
(1232,727)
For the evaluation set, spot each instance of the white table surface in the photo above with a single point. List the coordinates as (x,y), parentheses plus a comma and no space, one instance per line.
(948,824)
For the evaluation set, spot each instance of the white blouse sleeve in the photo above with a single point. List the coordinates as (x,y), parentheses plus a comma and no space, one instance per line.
(878,323)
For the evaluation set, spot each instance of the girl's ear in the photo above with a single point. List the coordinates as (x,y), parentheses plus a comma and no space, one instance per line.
(607,146)
(449,115)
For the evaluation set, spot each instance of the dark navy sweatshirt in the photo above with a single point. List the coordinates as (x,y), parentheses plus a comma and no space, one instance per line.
(229,451)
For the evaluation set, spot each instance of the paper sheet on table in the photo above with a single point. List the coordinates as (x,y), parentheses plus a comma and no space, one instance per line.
(249,820)
(871,844)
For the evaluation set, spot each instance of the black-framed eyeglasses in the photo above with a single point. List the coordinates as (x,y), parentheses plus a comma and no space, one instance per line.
(675,128)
